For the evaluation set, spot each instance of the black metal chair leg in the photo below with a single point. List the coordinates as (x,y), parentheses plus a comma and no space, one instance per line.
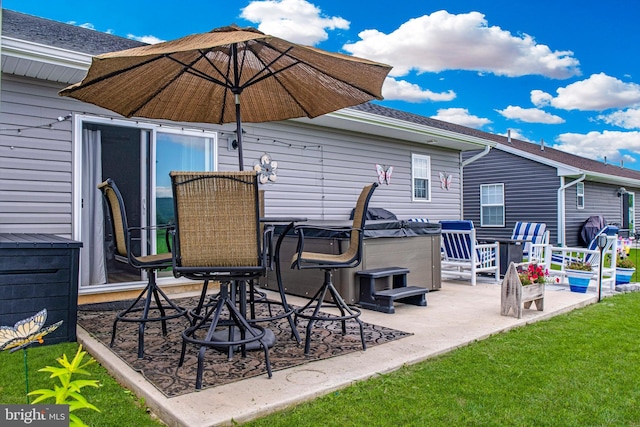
(318,298)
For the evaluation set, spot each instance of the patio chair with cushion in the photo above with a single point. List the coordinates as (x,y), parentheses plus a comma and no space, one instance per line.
(349,258)
(536,237)
(463,256)
(217,237)
(157,306)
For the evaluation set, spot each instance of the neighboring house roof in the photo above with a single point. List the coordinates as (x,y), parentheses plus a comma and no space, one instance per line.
(64,53)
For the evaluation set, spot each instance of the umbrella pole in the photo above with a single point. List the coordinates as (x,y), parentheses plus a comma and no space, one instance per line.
(239,132)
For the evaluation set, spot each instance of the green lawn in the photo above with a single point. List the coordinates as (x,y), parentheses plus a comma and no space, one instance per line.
(118,406)
(578,369)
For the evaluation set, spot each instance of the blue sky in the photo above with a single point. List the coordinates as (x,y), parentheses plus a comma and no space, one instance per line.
(563,71)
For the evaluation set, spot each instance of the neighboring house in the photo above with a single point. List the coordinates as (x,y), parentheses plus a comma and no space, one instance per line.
(50,168)
(522,181)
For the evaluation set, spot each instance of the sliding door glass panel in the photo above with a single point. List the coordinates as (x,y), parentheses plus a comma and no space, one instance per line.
(180,152)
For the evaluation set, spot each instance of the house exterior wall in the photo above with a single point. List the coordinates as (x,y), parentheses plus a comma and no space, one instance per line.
(320,171)
(530,192)
(36,164)
(599,199)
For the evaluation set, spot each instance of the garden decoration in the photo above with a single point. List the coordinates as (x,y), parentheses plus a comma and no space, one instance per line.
(24,333)
(384,174)
(266,168)
(445,180)
(523,288)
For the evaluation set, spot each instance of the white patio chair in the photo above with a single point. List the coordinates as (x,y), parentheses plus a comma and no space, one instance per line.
(462,256)
(536,237)
(556,257)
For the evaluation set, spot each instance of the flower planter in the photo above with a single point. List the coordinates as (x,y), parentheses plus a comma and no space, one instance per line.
(579,280)
(514,295)
(623,275)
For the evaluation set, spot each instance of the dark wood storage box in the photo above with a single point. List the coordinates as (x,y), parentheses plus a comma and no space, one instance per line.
(387,243)
(40,271)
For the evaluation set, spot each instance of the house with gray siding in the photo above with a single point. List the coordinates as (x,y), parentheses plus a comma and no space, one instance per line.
(54,150)
(523,181)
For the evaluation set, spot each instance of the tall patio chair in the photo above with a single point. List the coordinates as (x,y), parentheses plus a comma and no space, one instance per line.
(463,256)
(217,237)
(157,306)
(350,258)
(536,237)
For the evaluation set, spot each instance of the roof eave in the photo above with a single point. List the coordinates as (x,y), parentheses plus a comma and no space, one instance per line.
(366,122)
(567,170)
(29,59)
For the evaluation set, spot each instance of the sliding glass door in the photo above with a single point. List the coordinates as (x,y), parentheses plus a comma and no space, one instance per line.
(138,158)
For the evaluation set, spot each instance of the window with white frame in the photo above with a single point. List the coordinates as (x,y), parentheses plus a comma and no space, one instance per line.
(421,177)
(492,205)
(580,195)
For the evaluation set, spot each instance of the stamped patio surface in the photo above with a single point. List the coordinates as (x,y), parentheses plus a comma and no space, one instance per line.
(456,315)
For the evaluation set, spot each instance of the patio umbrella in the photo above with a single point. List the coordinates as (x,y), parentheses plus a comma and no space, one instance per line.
(202,78)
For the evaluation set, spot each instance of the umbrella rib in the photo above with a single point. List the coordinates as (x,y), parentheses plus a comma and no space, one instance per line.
(189,69)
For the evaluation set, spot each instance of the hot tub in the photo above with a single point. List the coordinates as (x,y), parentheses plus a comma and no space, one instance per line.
(387,243)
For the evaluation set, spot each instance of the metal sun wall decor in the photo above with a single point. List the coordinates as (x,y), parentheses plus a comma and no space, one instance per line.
(266,169)
(384,173)
(445,180)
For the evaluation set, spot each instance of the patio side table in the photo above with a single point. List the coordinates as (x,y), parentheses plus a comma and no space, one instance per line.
(40,271)
(510,251)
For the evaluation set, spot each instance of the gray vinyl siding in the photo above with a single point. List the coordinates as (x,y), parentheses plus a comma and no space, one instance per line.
(322,180)
(530,191)
(599,199)
(35,164)
(320,171)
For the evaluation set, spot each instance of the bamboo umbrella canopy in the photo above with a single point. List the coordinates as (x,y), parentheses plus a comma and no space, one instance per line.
(204,78)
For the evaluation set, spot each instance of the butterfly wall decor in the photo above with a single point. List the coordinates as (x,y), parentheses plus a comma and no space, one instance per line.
(384,173)
(445,180)
(26,331)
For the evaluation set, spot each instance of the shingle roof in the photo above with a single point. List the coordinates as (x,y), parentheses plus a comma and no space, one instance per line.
(527,148)
(52,33)
(65,36)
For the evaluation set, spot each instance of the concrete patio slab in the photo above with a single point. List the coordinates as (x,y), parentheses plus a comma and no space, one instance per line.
(455,316)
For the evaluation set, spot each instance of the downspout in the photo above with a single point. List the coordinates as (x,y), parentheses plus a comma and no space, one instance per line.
(561,207)
(470,160)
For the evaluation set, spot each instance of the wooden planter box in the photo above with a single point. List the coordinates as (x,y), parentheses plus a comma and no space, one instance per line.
(40,271)
(514,295)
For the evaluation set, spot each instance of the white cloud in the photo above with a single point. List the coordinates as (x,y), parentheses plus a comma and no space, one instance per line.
(460,116)
(598,145)
(598,92)
(530,115)
(404,91)
(295,20)
(628,119)
(443,41)
(145,39)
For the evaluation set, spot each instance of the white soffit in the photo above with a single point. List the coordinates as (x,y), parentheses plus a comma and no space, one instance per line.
(28,59)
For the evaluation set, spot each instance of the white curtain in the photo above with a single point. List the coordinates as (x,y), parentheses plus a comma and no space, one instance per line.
(93,267)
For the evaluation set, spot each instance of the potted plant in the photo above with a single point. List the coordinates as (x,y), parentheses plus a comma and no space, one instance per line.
(579,274)
(533,274)
(624,266)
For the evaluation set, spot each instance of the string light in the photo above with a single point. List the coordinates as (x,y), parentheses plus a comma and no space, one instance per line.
(43,126)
